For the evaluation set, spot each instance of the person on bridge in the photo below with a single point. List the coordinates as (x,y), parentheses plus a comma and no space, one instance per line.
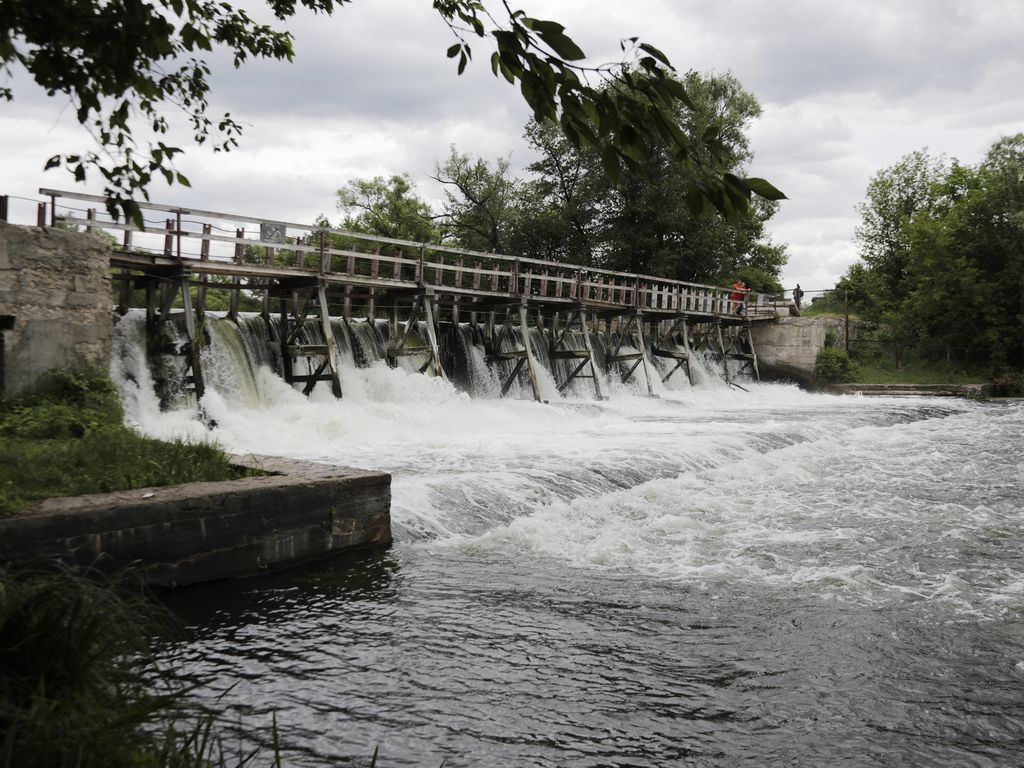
(739,295)
(798,295)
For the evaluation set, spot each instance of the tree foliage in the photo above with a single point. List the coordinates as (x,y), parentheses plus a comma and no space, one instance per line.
(387,207)
(124,61)
(943,250)
(481,201)
(894,196)
(644,220)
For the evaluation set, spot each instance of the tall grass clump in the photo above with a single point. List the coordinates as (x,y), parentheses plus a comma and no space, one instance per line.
(80,686)
(67,437)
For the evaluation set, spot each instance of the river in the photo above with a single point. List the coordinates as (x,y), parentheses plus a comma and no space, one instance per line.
(711,577)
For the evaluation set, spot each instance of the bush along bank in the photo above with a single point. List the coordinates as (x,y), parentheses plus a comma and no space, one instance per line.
(82,686)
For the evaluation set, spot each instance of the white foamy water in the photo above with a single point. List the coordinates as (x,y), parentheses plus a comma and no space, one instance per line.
(810,540)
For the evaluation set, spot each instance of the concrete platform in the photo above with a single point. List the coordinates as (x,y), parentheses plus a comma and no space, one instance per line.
(182,534)
(915,390)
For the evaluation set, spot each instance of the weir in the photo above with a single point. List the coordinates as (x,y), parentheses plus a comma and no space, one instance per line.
(317,290)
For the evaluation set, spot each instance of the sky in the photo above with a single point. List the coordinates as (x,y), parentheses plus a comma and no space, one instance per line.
(847,89)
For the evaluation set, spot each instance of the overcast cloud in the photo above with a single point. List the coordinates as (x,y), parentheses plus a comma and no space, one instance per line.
(847,89)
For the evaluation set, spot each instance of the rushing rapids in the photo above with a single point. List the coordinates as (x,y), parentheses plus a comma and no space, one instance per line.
(710,577)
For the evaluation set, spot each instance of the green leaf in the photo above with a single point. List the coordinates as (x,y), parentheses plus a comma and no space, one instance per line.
(561,44)
(453,50)
(696,202)
(53,162)
(764,189)
(655,53)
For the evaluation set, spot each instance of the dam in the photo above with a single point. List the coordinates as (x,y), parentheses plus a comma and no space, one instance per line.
(420,302)
(711,577)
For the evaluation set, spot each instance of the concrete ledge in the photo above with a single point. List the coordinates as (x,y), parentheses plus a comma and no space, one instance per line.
(918,390)
(182,534)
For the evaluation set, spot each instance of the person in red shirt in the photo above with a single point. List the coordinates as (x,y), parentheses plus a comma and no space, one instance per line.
(739,296)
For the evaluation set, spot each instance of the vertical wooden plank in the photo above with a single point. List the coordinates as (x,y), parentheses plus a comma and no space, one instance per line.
(642,349)
(195,343)
(590,351)
(689,353)
(328,334)
(531,365)
(125,292)
(371,309)
(435,352)
(350,269)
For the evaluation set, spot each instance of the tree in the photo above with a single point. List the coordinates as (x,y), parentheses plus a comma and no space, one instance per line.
(943,250)
(479,201)
(645,220)
(119,60)
(894,195)
(387,207)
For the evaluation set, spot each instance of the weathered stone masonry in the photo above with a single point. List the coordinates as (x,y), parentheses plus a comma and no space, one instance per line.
(55,303)
(197,532)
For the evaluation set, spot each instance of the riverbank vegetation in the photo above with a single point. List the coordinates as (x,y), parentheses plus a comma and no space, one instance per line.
(942,249)
(67,437)
(874,359)
(82,685)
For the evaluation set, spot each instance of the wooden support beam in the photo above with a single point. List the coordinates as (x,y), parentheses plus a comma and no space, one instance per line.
(689,353)
(530,363)
(125,292)
(577,317)
(195,341)
(638,323)
(632,324)
(435,352)
(325,325)
(721,347)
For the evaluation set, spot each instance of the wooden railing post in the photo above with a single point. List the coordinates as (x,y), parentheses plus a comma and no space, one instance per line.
(239,246)
(177,231)
(169,237)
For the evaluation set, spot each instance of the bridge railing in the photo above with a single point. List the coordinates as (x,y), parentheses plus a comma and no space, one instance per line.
(384,262)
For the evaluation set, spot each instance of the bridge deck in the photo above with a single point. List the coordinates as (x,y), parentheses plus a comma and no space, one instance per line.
(392,269)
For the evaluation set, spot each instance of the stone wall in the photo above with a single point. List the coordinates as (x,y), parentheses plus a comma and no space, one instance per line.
(197,532)
(787,348)
(55,303)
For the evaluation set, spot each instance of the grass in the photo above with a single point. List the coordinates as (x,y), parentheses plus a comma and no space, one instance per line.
(67,437)
(917,372)
(80,686)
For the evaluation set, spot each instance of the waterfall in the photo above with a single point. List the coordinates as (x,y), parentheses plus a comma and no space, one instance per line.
(241,360)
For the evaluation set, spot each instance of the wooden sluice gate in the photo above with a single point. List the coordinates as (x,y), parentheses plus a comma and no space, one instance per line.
(304,275)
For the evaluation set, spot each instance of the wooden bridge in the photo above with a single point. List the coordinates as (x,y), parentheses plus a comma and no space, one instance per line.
(305,273)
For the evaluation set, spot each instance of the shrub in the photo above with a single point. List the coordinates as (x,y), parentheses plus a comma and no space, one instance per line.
(80,685)
(833,365)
